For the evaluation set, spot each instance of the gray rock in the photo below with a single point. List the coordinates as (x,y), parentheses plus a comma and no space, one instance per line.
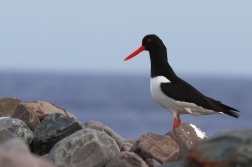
(28,115)
(187,136)
(226,149)
(127,159)
(86,147)
(18,128)
(8,106)
(223,132)
(52,129)
(159,147)
(173,164)
(122,143)
(5,135)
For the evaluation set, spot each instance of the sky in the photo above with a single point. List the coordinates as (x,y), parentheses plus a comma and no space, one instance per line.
(202,37)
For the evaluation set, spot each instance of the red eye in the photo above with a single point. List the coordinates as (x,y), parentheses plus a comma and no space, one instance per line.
(149,40)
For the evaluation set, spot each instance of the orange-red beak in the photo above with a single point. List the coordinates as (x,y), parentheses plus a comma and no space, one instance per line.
(142,48)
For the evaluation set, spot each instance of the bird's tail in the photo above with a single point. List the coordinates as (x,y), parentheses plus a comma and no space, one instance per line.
(225,109)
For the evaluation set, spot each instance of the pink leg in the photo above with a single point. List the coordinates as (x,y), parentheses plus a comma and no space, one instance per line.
(176,122)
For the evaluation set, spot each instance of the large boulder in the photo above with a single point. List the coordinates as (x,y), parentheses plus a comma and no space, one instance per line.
(44,109)
(18,128)
(52,129)
(86,147)
(8,106)
(187,136)
(159,147)
(122,143)
(127,159)
(225,149)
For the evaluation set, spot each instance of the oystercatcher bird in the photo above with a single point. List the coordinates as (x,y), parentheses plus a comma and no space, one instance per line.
(173,93)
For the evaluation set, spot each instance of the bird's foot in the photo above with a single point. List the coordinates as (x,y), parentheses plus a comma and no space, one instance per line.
(176,122)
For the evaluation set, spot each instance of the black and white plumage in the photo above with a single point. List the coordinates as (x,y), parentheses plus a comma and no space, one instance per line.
(173,93)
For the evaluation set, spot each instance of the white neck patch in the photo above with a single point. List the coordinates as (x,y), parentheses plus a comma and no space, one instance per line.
(155,85)
(160,79)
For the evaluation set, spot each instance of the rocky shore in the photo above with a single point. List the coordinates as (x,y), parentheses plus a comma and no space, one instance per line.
(40,134)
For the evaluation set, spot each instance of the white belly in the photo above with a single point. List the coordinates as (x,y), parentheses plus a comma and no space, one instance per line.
(174,106)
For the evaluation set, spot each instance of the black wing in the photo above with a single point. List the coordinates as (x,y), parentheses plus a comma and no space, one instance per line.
(182,91)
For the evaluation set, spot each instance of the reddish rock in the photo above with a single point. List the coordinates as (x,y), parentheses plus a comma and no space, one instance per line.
(127,159)
(44,109)
(122,143)
(27,114)
(152,162)
(8,106)
(17,159)
(162,148)
(187,136)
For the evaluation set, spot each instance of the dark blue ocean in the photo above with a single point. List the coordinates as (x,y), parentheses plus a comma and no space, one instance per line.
(123,102)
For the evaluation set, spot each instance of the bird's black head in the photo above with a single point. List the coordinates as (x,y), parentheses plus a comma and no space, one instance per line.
(151,43)
(158,56)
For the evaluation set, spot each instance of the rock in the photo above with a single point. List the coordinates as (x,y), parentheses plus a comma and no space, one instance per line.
(187,136)
(152,162)
(5,135)
(52,129)
(16,159)
(131,141)
(173,164)
(127,159)
(44,109)
(86,147)
(122,143)
(16,145)
(18,128)
(223,132)
(8,106)
(28,115)
(226,149)
(161,148)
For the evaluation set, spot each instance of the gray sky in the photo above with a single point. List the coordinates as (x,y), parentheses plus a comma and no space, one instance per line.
(202,37)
